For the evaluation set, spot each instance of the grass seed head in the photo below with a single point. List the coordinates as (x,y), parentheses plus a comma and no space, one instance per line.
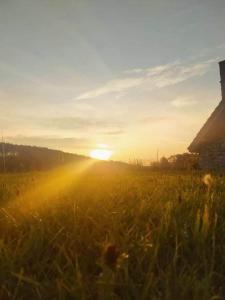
(208,180)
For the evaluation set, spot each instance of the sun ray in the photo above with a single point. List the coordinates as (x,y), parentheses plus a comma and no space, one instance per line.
(45,190)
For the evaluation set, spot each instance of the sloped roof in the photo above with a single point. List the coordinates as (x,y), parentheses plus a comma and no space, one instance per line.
(212,131)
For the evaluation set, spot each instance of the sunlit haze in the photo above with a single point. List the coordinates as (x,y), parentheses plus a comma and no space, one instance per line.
(102,154)
(139,76)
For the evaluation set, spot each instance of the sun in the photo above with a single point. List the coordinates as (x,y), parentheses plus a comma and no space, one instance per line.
(102,154)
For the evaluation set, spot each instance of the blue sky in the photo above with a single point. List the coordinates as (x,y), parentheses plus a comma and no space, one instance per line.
(135,75)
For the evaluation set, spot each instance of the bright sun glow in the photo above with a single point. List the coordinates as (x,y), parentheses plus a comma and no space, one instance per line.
(102,154)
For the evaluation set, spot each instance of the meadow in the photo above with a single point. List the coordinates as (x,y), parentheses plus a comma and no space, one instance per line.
(112,234)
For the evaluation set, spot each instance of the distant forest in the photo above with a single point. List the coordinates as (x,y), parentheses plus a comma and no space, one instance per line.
(19,158)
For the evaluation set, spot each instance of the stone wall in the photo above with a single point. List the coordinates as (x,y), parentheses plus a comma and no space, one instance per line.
(213,156)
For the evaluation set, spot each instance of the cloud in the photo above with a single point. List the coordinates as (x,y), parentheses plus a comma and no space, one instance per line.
(151,78)
(114,132)
(114,86)
(49,141)
(82,123)
(156,119)
(183,102)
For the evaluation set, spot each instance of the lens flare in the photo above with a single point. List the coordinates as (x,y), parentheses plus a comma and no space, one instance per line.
(101,154)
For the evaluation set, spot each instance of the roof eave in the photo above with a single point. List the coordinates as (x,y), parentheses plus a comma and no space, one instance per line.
(195,147)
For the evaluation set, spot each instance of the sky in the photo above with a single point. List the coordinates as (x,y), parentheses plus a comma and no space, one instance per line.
(136,76)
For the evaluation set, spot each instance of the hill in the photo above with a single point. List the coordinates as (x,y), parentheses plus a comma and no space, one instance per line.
(23,158)
(19,158)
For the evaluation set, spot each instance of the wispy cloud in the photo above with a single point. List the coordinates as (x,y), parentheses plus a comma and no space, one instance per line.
(156,119)
(151,78)
(82,123)
(114,132)
(49,141)
(183,102)
(113,86)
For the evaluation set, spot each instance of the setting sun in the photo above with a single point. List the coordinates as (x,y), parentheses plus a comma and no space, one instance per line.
(102,154)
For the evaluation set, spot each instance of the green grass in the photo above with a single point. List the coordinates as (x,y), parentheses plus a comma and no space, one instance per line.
(167,231)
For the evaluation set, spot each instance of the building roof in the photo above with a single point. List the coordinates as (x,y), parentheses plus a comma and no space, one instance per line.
(213,130)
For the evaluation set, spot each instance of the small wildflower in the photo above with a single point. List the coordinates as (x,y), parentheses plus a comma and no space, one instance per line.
(122,260)
(124,256)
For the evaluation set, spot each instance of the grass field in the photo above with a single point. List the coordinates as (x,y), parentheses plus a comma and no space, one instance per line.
(112,235)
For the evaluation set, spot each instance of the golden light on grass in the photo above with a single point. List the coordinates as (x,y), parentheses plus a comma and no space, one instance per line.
(45,190)
(101,154)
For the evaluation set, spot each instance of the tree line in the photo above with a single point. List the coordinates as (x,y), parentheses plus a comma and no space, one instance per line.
(20,158)
(184,161)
